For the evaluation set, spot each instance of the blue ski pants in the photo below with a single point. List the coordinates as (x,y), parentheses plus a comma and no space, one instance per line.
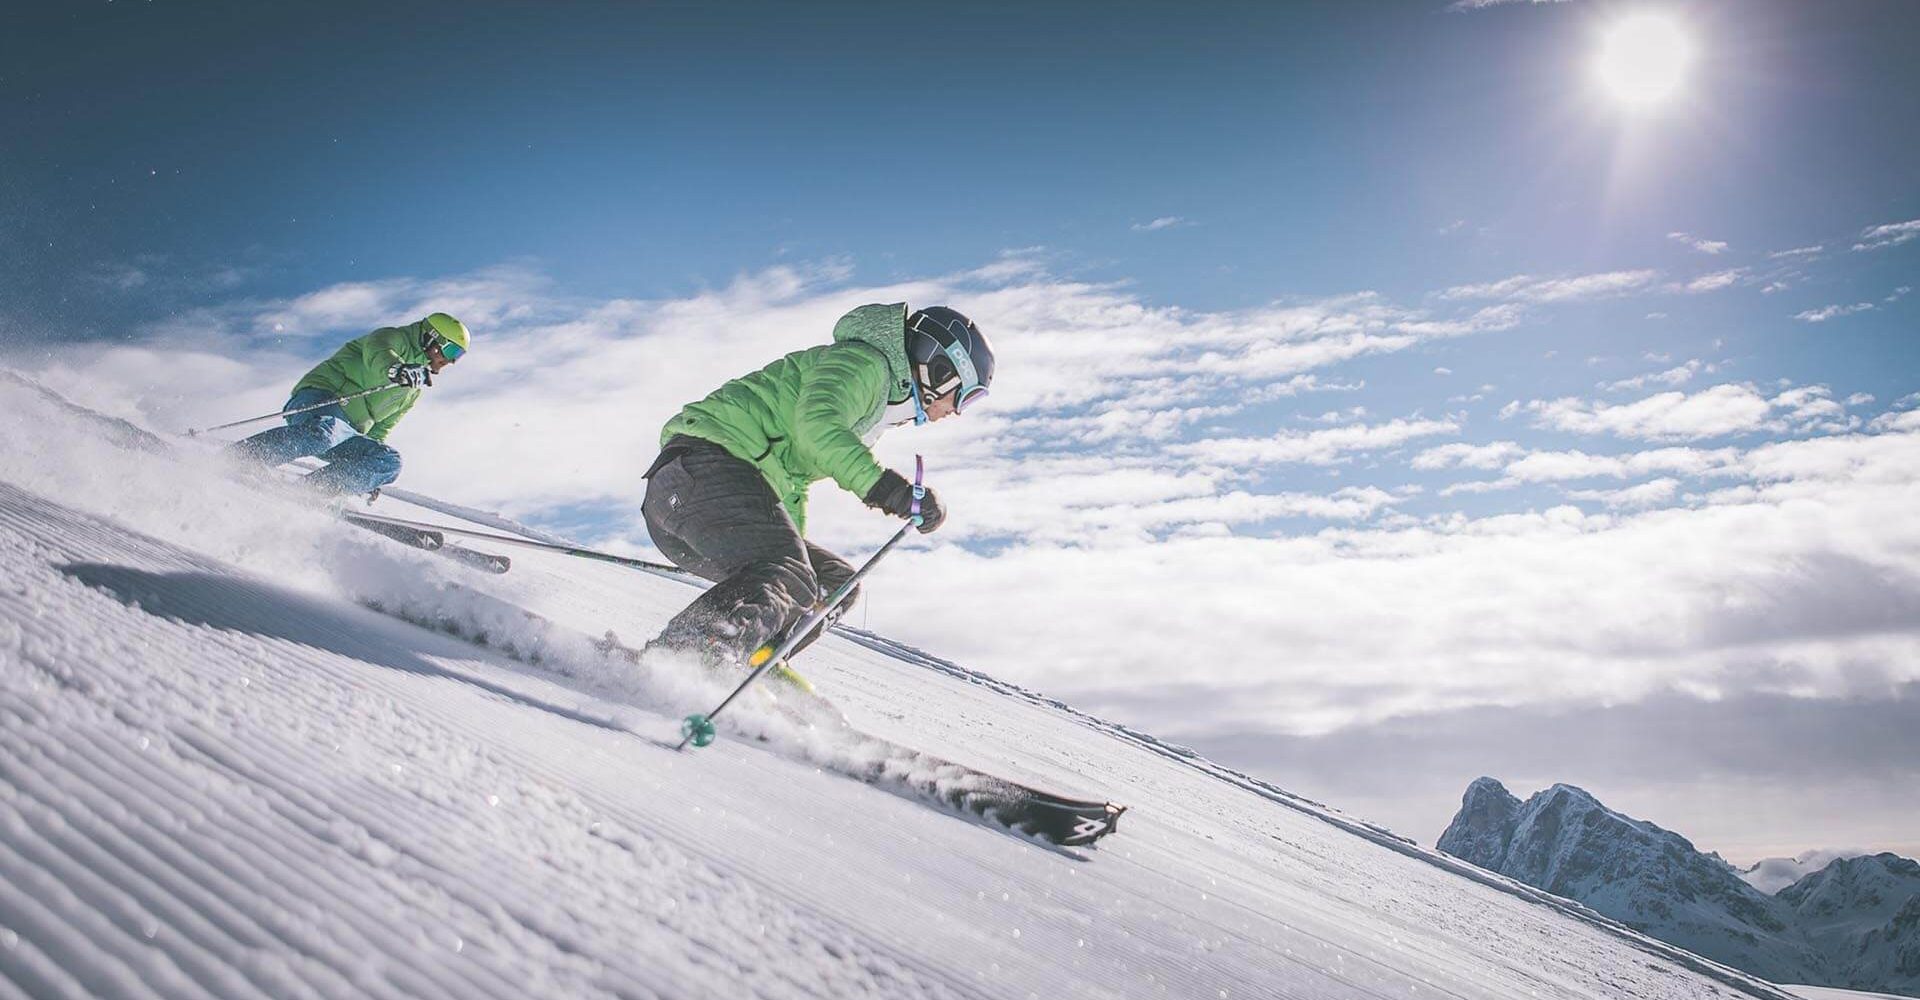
(355,463)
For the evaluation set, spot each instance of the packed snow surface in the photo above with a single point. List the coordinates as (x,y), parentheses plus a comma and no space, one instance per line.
(224,773)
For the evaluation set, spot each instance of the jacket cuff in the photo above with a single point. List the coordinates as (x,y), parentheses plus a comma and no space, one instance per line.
(862,482)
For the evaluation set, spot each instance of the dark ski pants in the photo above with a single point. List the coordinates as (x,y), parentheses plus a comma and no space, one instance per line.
(715,516)
(355,463)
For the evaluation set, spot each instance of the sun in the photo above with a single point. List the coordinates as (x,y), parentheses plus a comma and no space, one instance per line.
(1643,59)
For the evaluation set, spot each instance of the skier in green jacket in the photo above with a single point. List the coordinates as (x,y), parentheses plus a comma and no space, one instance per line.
(351,435)
(727,497)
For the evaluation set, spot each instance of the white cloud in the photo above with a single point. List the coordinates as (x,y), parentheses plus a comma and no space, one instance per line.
(1906,420)
(1468,456)
(1810,409)
(1529,289)
(1825,313)
(1898,293)
(1808,251)
(1096,500)
(1668,416)
(1808,585)
(1678,375)
(1321,447)
(1702,245)
(1486,320)
(1890,235)
(1022,264)
(1713,412)
(1714,282)
(1298,384)
(1656,493)
(1564,466)
(1522,467)
(1474,486)
(1349,415)
(1163,222)
(1116,422)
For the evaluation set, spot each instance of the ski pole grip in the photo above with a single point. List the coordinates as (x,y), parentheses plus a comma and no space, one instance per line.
(919,488)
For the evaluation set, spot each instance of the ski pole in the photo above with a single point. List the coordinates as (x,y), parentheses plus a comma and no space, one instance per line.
(661,569)
(697,728)
(335,401)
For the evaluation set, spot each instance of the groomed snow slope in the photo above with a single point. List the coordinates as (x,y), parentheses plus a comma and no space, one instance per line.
(223,774)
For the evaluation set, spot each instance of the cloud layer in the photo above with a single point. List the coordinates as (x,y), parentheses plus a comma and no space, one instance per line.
(1168,515)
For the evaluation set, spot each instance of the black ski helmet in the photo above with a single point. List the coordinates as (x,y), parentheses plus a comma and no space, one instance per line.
(949,354)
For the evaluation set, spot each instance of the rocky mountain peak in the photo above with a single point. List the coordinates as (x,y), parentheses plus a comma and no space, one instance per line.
(1564,840)
(1484,826)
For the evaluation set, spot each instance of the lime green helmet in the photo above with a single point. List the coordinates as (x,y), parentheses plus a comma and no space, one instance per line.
(451,331)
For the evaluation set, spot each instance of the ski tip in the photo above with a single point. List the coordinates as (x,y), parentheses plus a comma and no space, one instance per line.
(1088,825)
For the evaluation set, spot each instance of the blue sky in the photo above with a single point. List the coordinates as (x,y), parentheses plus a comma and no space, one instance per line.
(654,149)
(1373,337)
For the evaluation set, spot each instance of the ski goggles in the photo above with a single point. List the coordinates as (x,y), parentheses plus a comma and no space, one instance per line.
(448,349)
(952,371)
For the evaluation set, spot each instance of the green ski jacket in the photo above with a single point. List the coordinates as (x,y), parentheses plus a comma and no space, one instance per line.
(805,417)
(362,364)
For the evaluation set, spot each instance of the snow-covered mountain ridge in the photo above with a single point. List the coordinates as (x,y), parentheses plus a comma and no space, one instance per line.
(1770,875)
(223,774)
(1854,923)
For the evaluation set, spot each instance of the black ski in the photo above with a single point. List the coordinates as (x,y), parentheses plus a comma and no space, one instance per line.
(1056,819)
(484,561)
(885,764)
(1067,822)
(1053,818)
(431,541)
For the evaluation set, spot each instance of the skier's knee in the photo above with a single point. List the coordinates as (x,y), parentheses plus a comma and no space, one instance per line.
(324,433)
(309,439)
(797,579)
(385,467)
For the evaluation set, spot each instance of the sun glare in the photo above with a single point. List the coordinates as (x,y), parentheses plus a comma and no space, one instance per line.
(1643,59)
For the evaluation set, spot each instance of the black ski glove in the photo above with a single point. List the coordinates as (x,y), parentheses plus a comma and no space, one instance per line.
(894,495)
(413,375)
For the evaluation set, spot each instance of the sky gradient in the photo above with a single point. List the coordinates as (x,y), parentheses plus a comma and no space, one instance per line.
(1380,405)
